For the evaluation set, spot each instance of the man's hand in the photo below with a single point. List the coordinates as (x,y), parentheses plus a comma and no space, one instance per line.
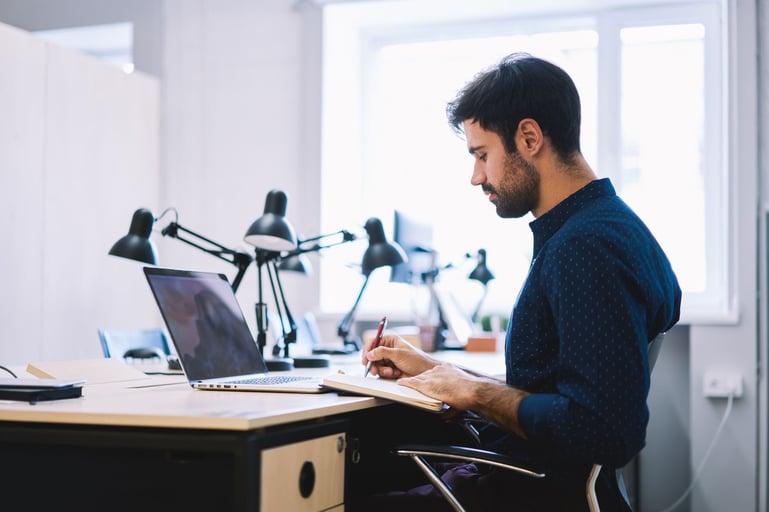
(447,383)
(395,358)
(465,391)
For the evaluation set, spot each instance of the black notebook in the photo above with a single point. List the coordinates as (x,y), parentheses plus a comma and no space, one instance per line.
(39,390)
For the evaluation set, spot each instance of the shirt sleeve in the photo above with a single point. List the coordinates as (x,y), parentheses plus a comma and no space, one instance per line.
(598,410)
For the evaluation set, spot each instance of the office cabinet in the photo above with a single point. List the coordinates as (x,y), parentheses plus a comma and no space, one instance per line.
(304,476)
(120,468)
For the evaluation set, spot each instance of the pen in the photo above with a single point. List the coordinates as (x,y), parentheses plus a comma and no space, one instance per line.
(377,339)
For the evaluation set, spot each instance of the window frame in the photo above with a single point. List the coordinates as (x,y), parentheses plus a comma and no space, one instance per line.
(363,36)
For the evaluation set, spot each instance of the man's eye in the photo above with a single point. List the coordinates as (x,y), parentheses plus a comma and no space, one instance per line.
(482,157)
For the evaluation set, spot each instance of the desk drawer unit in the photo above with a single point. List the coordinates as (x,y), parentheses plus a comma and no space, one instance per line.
(304,476)
(288,468)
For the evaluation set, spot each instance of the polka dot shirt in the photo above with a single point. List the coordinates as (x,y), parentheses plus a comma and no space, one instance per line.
(599,289)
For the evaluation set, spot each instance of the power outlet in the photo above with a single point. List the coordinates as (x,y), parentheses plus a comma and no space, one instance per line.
(722,384)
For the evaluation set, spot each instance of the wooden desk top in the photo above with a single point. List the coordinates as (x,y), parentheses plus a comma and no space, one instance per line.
(180,406)
(169,402)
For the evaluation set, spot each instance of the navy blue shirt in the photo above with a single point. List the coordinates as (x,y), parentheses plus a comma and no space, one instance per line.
(599,289)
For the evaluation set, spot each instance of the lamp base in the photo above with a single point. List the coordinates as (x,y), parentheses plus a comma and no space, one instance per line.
(335,351)
(353,344)
(318,361)
(282,364)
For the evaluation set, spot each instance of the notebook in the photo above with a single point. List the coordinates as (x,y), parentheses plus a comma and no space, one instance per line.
(212,339)
(383,388)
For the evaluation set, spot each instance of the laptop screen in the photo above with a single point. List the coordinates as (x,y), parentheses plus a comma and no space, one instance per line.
(206,324)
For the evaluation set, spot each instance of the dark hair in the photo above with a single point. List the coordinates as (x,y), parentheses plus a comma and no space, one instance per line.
(520,87)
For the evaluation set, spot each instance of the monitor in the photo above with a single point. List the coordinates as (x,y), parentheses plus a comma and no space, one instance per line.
(416,238)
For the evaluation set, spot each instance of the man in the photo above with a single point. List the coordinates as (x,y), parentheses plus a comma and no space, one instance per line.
(598,290)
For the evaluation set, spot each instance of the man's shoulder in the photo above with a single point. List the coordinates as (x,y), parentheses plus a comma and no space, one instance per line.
(607,232)
(606,217)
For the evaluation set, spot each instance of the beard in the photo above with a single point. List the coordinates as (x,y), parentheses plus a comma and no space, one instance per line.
(518,192)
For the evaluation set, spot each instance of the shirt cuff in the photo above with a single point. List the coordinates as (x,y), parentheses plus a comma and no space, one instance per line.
(533,412)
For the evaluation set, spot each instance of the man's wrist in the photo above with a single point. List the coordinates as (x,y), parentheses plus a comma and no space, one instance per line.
(499,402)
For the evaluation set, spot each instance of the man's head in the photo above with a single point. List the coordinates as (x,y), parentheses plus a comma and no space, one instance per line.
(520,87)
(521,120)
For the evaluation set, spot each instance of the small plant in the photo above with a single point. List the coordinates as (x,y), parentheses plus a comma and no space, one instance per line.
(486,322)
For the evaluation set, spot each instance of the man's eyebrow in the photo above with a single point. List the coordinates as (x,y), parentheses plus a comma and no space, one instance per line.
(474,149)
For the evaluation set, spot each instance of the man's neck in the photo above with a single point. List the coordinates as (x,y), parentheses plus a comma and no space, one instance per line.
(559,181)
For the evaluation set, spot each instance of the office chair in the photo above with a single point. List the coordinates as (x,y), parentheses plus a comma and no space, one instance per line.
(137,344)
(420,453)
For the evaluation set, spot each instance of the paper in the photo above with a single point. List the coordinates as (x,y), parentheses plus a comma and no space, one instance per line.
(382,388)
(94,371)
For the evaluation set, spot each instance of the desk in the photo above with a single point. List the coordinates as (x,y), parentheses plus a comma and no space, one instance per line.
(169,447)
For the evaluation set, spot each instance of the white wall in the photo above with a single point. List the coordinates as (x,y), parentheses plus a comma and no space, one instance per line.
(78,138)
(235,127)
(730,479)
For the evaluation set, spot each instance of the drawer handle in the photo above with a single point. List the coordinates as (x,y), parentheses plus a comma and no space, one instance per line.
(306,479)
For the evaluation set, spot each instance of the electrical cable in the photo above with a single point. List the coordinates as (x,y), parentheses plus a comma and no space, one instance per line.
(9,371)
(698,472)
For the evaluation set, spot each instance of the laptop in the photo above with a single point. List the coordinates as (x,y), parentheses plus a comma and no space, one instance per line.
(212,339)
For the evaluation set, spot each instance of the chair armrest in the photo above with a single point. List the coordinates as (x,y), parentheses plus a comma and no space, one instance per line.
(469,422)
(466,454)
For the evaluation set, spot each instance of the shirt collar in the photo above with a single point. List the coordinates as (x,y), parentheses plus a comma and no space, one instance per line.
(546,226)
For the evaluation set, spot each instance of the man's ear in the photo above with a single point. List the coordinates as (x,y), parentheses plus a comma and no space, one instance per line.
(530,136)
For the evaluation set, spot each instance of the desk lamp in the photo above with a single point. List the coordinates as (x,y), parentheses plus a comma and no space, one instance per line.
(295,263)
(380,253)
(136,245)
(482,274)
(270,234)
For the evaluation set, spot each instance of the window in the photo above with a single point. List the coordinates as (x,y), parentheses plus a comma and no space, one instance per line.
(649,81)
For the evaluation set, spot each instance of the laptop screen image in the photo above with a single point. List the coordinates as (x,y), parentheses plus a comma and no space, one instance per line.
(206,324)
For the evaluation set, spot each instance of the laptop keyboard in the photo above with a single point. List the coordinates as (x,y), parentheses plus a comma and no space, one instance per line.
(273,379)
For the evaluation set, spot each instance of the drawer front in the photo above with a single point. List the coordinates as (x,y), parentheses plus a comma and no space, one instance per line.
(303,476)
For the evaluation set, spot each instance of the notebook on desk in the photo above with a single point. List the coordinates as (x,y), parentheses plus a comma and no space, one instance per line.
(212,339)
(383,388)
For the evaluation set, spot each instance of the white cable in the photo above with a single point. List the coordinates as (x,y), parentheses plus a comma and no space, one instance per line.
(697,473)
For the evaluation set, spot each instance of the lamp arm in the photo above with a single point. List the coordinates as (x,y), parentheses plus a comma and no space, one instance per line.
(476,312)
(275,298)
(261,313)
(346,237)
(277,289)
(240,259)
(343,329)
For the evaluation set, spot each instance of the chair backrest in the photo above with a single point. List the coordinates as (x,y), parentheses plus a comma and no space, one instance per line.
(137,343)
(653,351)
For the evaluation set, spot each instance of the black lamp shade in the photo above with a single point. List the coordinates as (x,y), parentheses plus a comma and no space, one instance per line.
(481,272)
(271,231)
(380,252)
(136,245)
(295,263)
